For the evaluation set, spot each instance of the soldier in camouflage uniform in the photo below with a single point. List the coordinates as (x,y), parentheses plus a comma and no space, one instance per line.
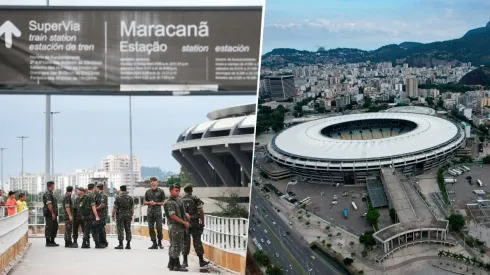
(102,211)
(68,218)
(77,215)
(50,212)
(155,198)
(90,218)
(122,213)
(193,205)
(175,211)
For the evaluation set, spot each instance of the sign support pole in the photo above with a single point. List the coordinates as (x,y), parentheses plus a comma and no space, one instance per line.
(47,170)
(131,148)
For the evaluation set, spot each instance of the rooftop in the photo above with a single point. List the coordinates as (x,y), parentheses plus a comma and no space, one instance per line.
(393,230)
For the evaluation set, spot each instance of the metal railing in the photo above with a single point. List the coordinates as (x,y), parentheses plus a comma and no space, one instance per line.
(12,229)
(228,234)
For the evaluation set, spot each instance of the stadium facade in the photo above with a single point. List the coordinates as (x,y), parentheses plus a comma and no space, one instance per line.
(218,152)
(350,149)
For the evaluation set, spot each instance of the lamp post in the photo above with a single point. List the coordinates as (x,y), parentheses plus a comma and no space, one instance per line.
(22,160)
(52,144)
(1,164)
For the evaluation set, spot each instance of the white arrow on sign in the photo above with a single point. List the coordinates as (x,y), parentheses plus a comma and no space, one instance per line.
(8,29)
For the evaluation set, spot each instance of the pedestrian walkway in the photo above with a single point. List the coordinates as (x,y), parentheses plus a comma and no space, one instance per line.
(139,260)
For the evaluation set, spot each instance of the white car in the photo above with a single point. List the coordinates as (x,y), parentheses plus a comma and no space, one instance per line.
(268,242)
(335,202)
(277,255)
(274,223)
(261,240)
(335,197)
(265,231)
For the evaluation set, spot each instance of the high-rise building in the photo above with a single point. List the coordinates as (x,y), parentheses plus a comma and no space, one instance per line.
(280,87)
(31,183)
(412,87)
(116,163)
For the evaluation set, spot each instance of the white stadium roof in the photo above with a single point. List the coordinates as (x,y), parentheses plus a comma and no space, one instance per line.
(306,141)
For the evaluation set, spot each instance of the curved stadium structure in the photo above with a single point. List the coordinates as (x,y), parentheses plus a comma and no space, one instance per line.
(348,149)
(218,152)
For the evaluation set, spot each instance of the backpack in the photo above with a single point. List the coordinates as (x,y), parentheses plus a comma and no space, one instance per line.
(86,208)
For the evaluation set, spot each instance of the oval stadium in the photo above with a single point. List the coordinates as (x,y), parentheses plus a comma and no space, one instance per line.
(351,148)
(218,152)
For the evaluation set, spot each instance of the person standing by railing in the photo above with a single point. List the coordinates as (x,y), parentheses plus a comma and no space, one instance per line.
(11,204)
(68,218)
(50,213)
(154,198)
(21,203)
(77,215)
(2,205)
(102,211)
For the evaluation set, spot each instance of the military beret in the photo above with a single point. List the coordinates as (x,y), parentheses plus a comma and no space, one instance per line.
(81,189)
(188,186)
(91,185)
(100,185)
(153,179)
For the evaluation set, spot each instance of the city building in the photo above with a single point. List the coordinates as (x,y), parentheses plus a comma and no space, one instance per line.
(279,87)
(117,163)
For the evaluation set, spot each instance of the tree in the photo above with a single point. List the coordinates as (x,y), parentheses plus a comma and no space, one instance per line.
(173,180)
(367,239)
(273,270)
(230,207)
(372,216)
(261,258)
(348,261)
(456,222)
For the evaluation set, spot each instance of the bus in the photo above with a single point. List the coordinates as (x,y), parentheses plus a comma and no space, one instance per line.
(354,206)
(305,200)
(453,173)
(467,169)
(479,183)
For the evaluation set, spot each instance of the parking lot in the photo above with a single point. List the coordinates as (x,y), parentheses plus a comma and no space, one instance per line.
(321,204)
(463,190)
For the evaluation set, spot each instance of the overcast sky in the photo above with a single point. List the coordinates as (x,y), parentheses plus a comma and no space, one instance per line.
(368,25)
(89,128)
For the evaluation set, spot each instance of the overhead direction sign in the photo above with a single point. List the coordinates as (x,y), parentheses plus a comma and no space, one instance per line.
(92,50)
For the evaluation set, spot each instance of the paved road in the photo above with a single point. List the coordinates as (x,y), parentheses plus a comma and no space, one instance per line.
(292,249)
(139,260)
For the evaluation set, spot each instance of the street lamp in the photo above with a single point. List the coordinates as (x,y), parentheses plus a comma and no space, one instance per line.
(1,164)
(22,160)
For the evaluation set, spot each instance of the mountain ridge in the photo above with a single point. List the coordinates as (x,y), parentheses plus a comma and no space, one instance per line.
(471,47)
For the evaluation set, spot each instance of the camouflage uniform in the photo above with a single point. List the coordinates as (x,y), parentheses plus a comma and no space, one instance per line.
(67,203)
(102,212)
(155,213)
(77,218)
(176,230)
(193,205)
(123,205)
(51,228)
(89,221)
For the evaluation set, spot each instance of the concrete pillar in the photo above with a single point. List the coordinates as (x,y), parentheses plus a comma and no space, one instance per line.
(198,180)
(218,166)
(244,161)
(200,167)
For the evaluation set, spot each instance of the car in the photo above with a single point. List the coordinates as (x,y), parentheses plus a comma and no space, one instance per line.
(265,231)
(290,223)
(335,202)
(364,215)
(253,229)
(268,242)
(287,232)
(284,234)
(278,210)
(274,223)
(277,255)
(256,207)
(335,197)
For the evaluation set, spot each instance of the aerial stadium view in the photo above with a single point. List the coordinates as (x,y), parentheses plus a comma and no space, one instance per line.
(368,162)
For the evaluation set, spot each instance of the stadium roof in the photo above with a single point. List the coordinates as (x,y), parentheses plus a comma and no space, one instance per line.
(306,140)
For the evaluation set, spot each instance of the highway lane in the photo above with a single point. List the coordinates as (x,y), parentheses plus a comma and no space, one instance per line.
(293,244)
(270,249)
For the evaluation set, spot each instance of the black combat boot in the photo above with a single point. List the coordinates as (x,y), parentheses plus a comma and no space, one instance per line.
(120,246)
(202,262)
(128,244)
(184,262)
(54,244)
(160,244)
(86,244)
(178,267)
(170,265)
(48,242)
(74,244)
(154,245)
(99,245)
